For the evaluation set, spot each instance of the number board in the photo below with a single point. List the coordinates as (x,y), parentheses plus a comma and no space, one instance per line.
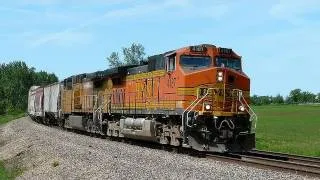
(198,48)
(225,51)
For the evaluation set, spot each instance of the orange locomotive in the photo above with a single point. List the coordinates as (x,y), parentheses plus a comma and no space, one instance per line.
(193,97)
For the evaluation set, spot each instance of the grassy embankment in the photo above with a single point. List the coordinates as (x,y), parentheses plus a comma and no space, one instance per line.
(11,116)
(4,173)
(293,129)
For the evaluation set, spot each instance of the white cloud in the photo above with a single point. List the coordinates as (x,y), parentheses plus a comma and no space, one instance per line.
(18,10)
(182,8)
(294,10)
(64,39)
(73,2)
(120,13)
(40,2)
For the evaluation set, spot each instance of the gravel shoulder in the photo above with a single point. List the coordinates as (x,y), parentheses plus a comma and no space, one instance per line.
(50,153)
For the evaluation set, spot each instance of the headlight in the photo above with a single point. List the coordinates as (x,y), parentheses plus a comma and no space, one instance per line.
(241,108)
(208,107)
(220,76)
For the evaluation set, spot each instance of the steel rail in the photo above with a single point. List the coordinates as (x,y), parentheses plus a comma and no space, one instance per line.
(298,167)
(272,161)
(286,157)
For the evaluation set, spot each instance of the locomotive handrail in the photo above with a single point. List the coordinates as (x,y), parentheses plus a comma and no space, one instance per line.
(253,115)
(192,106)
(183,123)
(237,91)
(204,96)
(104,104)
(99,109)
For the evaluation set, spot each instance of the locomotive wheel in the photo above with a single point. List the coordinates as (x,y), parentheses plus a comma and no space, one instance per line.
(87,127)
(45,121)
(90,127)
(61,123)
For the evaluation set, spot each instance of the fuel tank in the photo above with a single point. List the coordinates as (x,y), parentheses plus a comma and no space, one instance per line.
(139,128)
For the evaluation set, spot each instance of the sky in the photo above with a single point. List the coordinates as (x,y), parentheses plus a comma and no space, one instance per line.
(279,40)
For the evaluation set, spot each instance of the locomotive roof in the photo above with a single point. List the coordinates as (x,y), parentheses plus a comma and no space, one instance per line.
(102,74)
(154,62)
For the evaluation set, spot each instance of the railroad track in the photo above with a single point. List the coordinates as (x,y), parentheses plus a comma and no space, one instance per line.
(294,163)
(287,157)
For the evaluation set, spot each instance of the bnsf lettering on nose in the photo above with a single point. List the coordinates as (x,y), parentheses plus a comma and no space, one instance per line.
(222,92)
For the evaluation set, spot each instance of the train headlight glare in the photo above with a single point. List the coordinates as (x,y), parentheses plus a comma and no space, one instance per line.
(220,74)
(241,108)
(220,78)
(208,107)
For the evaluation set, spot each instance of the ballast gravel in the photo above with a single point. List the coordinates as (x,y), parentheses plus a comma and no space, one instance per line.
(49,153)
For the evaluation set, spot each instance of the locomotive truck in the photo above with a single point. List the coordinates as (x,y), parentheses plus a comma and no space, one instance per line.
(194,97)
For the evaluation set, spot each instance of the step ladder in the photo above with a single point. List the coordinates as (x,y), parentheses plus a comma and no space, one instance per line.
(98,113)
(253,116)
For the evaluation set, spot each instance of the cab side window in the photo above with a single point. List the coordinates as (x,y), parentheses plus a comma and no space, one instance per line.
(171,63)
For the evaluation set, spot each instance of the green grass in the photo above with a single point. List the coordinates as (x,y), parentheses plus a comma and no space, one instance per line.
(10,116)
(12,173)
(291,129)
(3,173)
(9,174)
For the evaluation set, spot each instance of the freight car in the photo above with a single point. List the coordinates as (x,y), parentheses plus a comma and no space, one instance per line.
(194,97)
(35,101)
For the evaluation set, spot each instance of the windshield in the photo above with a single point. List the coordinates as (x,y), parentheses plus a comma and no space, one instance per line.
(229,62)
(190,63)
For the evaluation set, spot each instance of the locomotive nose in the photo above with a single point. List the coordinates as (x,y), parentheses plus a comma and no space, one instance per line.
(224,95)
(233,79)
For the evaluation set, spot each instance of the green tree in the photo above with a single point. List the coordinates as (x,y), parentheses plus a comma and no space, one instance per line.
(134,54)
(16,78)
(3,103)
(308,97)
(15,81)
(43,78)
(295,96)
(288,100)
(114,60)
(255,100)
(265,100)
(261,100)
(278,99)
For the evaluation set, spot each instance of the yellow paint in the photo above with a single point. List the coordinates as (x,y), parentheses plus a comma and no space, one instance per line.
(171,105)
(187,91)
(222,113)
(146,75)
(67,101)
(180,104)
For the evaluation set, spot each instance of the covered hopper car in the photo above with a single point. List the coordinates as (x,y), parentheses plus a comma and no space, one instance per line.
(195,97)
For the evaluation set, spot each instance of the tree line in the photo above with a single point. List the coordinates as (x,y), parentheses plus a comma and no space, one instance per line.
(16,78)
(296,96)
